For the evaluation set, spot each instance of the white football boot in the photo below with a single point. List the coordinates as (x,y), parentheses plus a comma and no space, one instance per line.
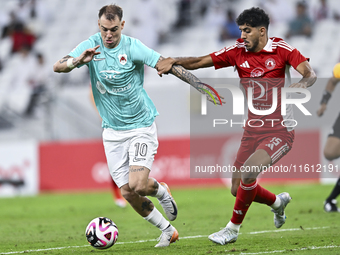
(168,236)
(224,236)
(279,214)
(168,203)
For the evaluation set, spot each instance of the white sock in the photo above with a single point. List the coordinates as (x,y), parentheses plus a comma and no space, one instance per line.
(276,204)
(161,191)
(233,226)
(157,219)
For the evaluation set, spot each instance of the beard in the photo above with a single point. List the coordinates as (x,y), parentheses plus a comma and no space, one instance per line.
(255,44)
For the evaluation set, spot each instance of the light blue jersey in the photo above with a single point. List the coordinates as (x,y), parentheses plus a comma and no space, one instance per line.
(117,78)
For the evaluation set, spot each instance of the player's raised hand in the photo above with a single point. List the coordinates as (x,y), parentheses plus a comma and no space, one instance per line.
(211,93)
(164,65)
(88,55)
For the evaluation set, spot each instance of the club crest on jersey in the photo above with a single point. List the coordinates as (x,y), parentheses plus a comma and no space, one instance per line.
(122,59)
(270,63)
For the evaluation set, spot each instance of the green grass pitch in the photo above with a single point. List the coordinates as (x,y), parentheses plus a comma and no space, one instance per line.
(55,224)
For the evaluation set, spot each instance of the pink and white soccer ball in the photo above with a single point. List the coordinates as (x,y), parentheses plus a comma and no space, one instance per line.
(101,233)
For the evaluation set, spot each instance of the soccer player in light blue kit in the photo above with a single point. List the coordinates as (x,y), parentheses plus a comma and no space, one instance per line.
(130,135)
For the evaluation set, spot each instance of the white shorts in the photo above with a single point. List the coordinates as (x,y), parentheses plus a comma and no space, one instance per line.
(124,148)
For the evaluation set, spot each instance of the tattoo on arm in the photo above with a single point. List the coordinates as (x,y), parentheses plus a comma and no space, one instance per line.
(186,76)
(146,206)
(183,74)
(64,59)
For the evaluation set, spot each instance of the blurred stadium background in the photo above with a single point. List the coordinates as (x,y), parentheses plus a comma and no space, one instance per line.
(50,133)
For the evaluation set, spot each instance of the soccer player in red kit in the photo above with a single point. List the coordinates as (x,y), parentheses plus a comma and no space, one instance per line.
(261,63)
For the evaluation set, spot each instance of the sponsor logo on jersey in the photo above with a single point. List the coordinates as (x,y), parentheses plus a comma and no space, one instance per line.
(138,159)
(98,59)
(245,64)
(122,59)
(100,87)
(122,89)
(257,72)
(108,74)
(270,63)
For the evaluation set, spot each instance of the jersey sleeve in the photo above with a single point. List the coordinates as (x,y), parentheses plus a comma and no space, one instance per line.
(141,54)
(80,48)
(224,57)
(294,58)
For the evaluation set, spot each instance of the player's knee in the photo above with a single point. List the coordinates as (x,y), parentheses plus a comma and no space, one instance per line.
(233,191)
(129,195)
(139,188)
(248,180)
(330,154)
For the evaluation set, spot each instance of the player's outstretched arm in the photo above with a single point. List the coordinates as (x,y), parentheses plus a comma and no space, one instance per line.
(188,77)
(190,63)
(308,76)
(331,84)
(67,63)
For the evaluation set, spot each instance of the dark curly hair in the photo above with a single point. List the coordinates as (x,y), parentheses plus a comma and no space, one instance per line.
(253,17)
(111,12)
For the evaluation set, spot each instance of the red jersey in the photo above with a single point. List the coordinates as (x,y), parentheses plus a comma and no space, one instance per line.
(262,71)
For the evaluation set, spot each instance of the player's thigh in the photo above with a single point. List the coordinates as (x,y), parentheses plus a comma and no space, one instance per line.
(138,178)
(116,146)
(332,148)
(276,145)
(246,149)
(258,159)
(142,150)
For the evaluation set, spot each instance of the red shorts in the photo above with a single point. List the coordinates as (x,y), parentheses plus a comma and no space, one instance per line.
(276,144)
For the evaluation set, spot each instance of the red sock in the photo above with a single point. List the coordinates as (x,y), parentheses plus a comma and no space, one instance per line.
(244,197)
(264,196)
(116,191)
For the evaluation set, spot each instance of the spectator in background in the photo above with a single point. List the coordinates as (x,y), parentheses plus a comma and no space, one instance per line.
(184,13)
(146,26)
(13,23)
(38,82)
(322,11)
(19,90)
(230,29)
(22,37)
(279,11)
(302,23)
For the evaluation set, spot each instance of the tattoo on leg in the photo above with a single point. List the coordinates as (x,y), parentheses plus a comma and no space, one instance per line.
(146,206)
(155,186)
(133,170)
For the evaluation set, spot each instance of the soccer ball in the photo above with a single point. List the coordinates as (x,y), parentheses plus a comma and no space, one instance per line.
(101,233)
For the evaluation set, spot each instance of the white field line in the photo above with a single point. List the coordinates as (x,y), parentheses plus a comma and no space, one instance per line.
(187,237)
(279,251)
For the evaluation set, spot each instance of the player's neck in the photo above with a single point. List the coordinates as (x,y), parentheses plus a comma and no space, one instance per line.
(262,43)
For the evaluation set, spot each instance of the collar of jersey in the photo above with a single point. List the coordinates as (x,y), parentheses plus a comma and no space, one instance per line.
(118,46)
(267,48)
